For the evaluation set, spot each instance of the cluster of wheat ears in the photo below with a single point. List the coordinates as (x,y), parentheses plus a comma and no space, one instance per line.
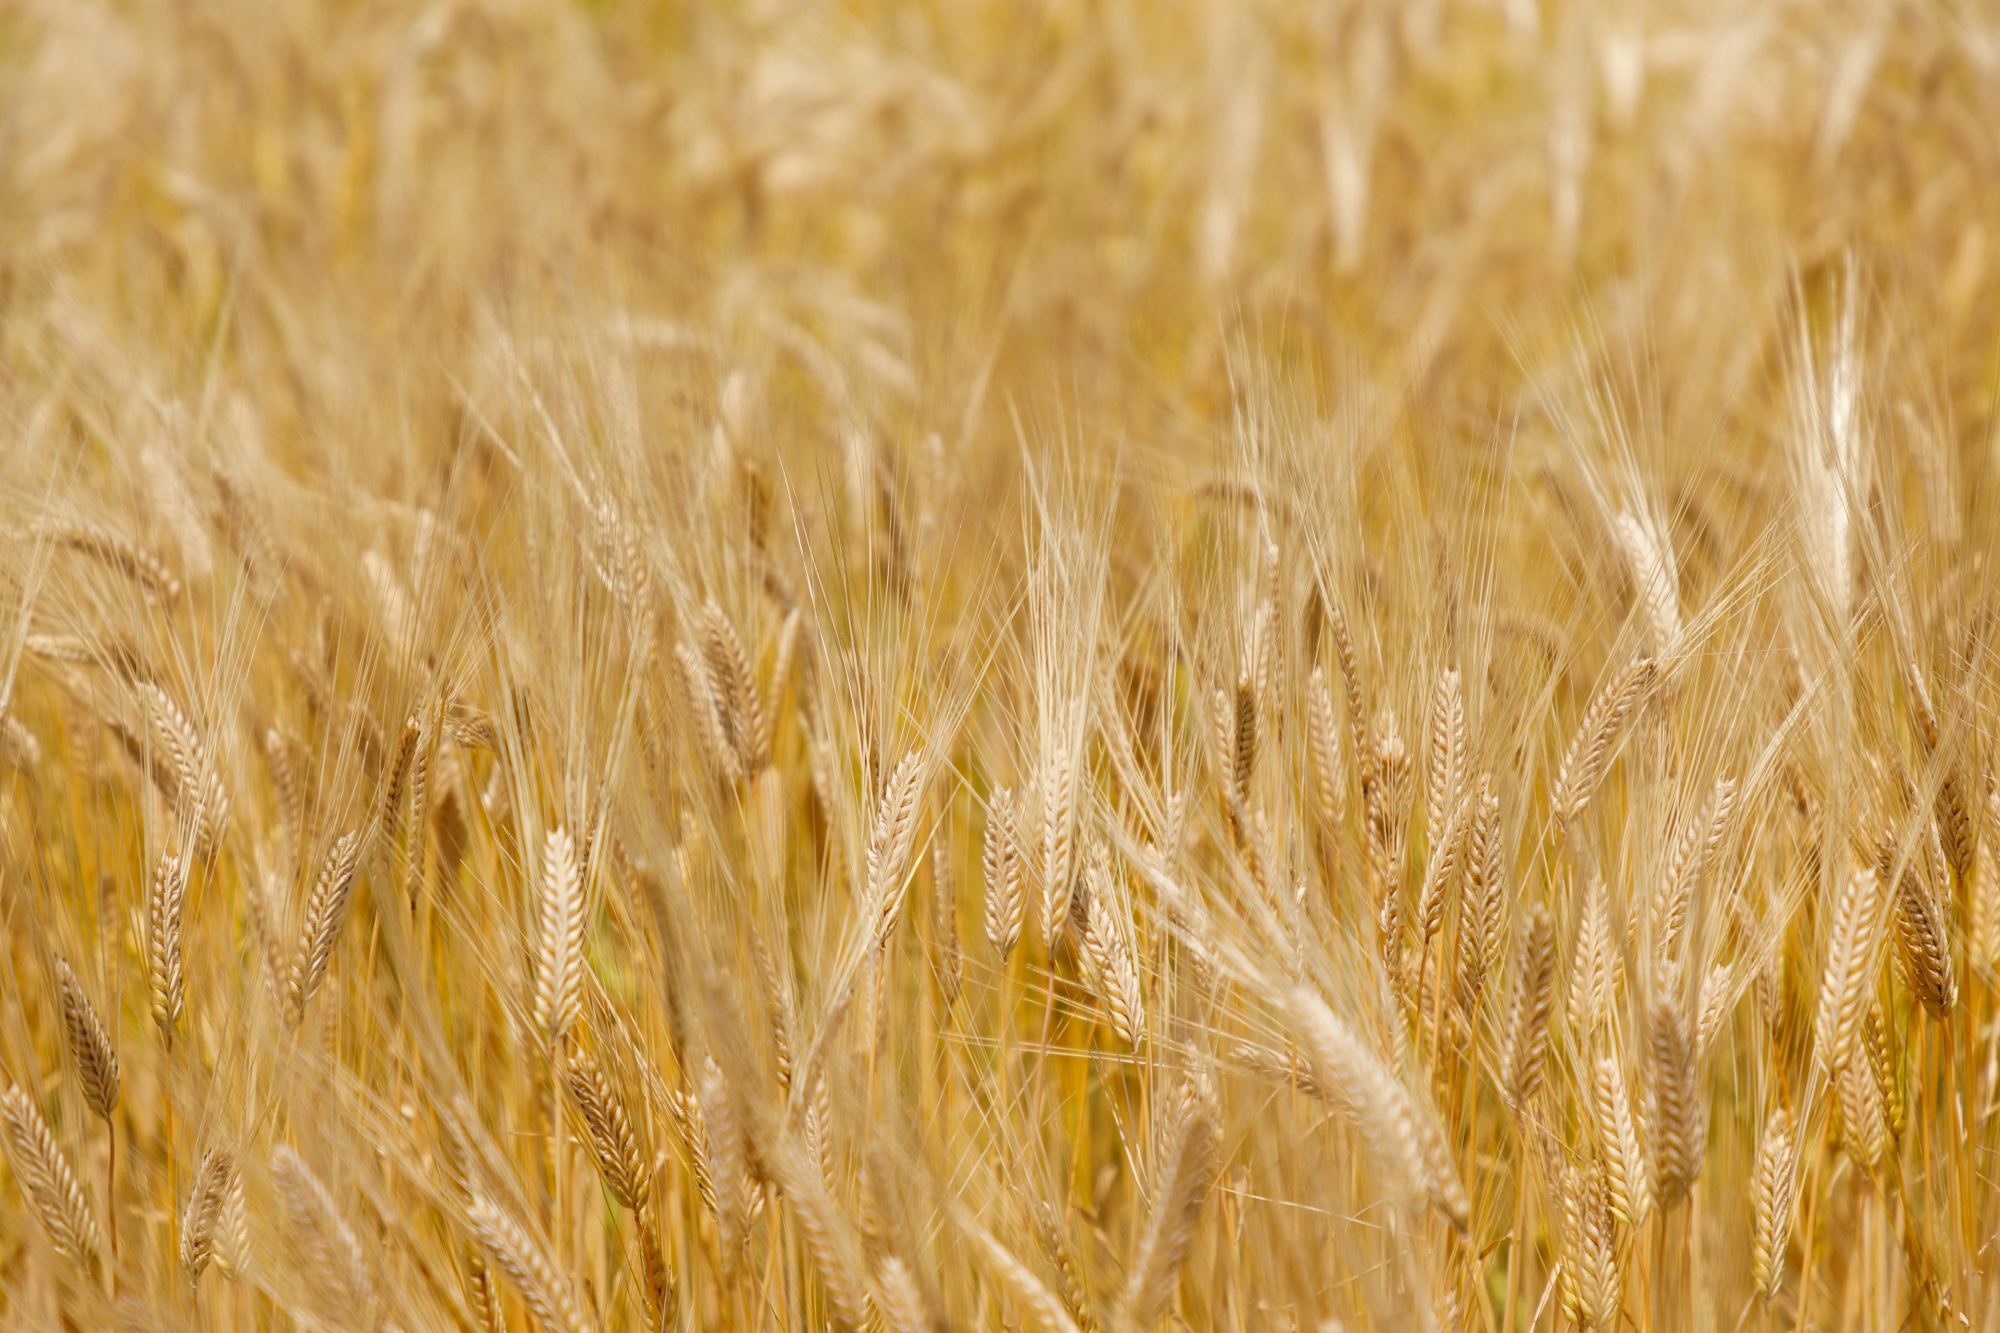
(1049,668)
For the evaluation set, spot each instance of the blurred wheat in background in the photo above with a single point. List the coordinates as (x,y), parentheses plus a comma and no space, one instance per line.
(1051,666)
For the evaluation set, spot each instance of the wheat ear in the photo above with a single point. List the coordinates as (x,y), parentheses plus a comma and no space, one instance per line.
(1584,761)
(1104,944)
(1037,1307)
(142,567)
(612,1140)
(510,1249)
(204,1210)
(327,1245)
(164,898)
(43,1173)
(1482,929)
(1772,1189)
(1676,1116)
(559,945)
(320,928)
(1528,1022)
(1190,1170)
(89,1044)
(889,843)
(1850,958)
(1444,762)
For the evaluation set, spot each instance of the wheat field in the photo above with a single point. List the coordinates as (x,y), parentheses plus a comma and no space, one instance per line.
(1048,665)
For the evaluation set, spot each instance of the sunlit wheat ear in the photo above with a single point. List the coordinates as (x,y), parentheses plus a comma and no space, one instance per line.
(1849,966)
(1954,816)
(182,766)
(391,803)
(1350,676)
(1527,1040)
(1105,945)
(322,1242)
(828,1235)
(527,1266)
(101,544)
(231,1241)
(89,1044)
(1323,747)
(42,1172)
(1591,1283)
(1583,763)
(165,896)
(944,923)
(1000,861)
(1034,1304)
(1694,852)
(613,1142)
(1482,931)
(287,760)
(1386,800)
(1651,557)
(1772,1189)
(1677,1113)
(1434,895)
(1444,759)
(1191,1161)
(1590,975)
(1983,931)
(1053,1237)
(1627,1171)
(741,708)
(1864,1129)
(775,983)
(1882,1067)
(724,1150)
(319,928)
(1244,741)
(1060,800)
(1922,948)
(559,942)
(705,705)
(204,1211)
(890,839)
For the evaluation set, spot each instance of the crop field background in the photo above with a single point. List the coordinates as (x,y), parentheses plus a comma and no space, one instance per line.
(1048,665)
